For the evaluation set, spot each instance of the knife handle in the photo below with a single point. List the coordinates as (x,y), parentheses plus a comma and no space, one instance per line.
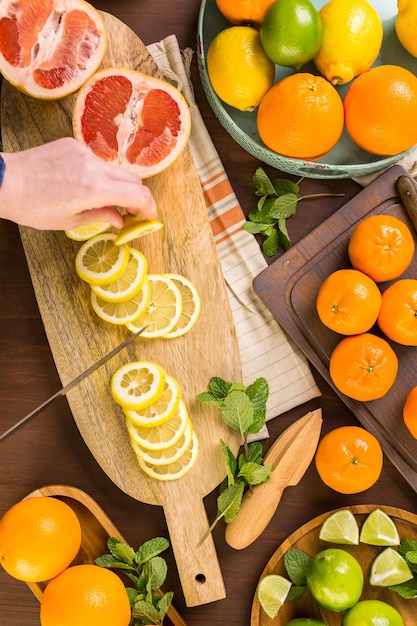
(255,513)
(408,194)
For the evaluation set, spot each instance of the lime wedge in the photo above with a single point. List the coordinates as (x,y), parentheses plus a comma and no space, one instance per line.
(379,529)
(389,568)
(272,592)
(340,527)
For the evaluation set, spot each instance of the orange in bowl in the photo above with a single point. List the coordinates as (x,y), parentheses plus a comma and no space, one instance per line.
(398,315)
(410,411)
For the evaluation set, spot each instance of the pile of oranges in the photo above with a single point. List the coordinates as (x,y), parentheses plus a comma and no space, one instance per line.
(303,115)
(364,365)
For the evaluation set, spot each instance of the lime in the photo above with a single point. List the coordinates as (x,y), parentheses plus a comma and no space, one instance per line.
(305,621)
(340,527)
(335,579)
(389,568)
(291,32)
(272,592)
(379,529)
(372,613)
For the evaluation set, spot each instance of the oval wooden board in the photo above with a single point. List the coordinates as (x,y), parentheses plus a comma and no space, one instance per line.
(78,338)
(96,528)
(307,539)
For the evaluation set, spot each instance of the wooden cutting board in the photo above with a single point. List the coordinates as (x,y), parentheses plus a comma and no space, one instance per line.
(289,288)
(78,338)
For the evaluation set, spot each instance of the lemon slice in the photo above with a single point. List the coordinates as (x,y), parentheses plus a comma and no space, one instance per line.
(129,283)
(191,306)
(163,310)
(162,436)
(389,568)
(99,261)
(82,233)
(272,592)
(340,527)
(134,228)
(175,470)
(137,384)
(379,529)
(165,455)
(161,410)
(122,312)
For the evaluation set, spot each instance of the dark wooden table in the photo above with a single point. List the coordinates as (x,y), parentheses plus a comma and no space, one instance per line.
(50,450)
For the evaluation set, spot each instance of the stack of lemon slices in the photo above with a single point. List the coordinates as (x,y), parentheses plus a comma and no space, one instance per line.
(124,293)
(157,420)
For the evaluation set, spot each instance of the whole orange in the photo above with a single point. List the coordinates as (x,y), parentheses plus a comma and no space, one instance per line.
(381,246)
(363,367)
(410,411)
(380,107)
(398,315)
(301,116)
(85,595)
(349,459)
(348,302)
(39,538)
(244,11)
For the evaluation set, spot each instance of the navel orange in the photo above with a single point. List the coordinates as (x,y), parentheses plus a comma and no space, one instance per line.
(301,116)
(398,315)
(244,12)
(349,459)
(348,302)
(363,367)
(381,246)
(49,49)
(85,595)
(410,411)
(39,538)
(390,127)
(132,119)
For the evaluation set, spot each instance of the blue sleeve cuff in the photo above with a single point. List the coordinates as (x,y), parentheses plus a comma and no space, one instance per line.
(2,169)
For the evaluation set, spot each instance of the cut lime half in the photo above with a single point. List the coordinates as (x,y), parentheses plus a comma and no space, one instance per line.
(272,593)
(389,568)
(379,529)
(340,527)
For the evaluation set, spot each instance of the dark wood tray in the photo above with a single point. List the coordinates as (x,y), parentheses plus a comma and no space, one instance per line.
(289,287)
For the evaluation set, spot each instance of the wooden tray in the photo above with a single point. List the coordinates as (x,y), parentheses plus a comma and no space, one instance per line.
(289,288)
(307,539)
(78,338)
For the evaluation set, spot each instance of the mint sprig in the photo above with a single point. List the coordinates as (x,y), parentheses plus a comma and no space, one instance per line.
(408,550)
(243,409)
(278,201)
(148,571)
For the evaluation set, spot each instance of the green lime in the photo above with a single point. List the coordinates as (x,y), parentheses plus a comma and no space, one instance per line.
(372,613)
(389,568)
(379,529)
(335,579)
(291,32)
(340,527)
(305,621)
(272,592)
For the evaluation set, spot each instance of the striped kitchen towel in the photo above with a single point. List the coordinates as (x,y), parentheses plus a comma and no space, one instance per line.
(264,347)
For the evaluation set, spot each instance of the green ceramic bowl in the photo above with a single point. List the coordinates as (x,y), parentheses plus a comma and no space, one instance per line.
(346,159)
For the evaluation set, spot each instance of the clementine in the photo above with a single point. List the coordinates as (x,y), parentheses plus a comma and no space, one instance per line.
(39,538)
(348,302)
(363,367)
(243,12)
(390,127)
(410,411)
(398,315)
(381,246)
(349,459)
(85,594)
(301,116)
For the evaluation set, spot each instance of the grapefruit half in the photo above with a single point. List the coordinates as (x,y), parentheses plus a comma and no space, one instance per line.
(49,48)
(132,119)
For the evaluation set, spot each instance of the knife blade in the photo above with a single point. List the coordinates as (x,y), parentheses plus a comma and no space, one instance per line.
(408,195)
(289,457)
(64,390)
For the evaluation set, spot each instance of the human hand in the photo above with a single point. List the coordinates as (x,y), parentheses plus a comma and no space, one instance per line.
(61,185)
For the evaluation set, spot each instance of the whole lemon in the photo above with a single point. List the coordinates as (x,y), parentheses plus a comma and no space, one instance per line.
(291,32)
(406,25)
(239,70)
(335,579)
(352,38)
(372,613)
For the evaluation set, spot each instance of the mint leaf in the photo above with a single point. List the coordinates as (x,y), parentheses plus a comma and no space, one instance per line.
(219,387)
(255,474)
(238,411)
(271,244)
(407,590)
(120,550)
(296,592)
(150,549)
(230,462)
(229,501)
(284,206)
(296,562)
(262,182)
(285,185)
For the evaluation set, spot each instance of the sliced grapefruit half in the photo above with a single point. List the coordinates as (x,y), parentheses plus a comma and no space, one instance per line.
(49,48)
(132,119)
